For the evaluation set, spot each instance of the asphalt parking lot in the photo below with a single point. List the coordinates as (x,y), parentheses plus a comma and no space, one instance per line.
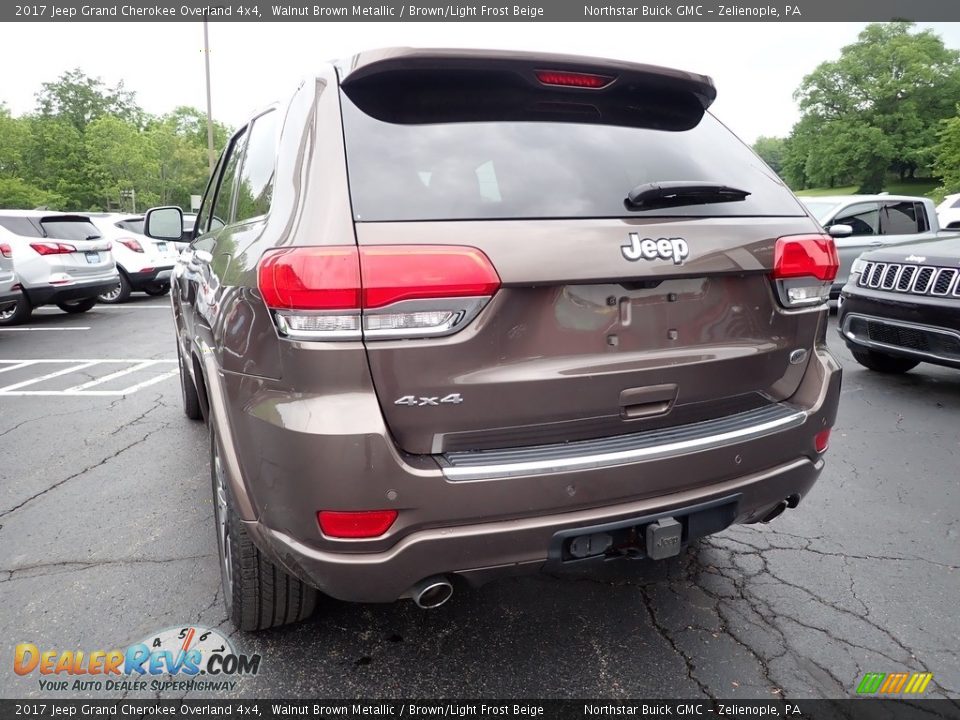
(107,535)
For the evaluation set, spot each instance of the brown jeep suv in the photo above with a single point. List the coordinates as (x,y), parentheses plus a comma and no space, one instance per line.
(452,315)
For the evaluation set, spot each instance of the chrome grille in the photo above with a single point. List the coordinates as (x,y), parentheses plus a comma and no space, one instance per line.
(914,279)
(946,277)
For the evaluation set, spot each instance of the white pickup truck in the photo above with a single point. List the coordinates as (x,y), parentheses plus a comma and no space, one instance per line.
(867,222)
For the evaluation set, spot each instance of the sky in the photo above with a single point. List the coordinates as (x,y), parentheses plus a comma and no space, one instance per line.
(756,66)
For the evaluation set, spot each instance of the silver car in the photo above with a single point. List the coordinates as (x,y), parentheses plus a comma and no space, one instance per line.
(60,260)
(860,223)
(9,285)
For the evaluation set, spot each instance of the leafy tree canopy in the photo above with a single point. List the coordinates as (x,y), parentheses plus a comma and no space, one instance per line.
(875,109)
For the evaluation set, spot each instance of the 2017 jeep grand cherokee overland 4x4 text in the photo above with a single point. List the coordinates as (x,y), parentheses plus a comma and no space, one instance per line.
(457,314)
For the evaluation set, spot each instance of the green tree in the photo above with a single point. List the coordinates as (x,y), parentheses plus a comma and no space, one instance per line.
(55,160)
(15,193)
(877,108)
(947,157)
(121,157)
(180,140)
(14,135)
(80,100)
(771,149)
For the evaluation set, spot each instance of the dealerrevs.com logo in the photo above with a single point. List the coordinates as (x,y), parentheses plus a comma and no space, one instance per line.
(176,659)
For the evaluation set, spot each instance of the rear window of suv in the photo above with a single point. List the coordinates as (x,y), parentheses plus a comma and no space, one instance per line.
(67,229)
(530,169)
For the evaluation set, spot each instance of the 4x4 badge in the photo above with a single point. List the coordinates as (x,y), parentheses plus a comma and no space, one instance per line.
(675,249)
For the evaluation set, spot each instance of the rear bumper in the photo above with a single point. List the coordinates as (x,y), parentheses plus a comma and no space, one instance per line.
(155,276)
(485,551)
(8,295)
(76,291)
(288,456)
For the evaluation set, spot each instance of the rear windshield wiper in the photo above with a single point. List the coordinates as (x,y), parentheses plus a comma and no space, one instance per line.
(674,193)
(93,237)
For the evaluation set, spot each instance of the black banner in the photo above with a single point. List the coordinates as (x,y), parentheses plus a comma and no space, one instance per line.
(853,709)
(485,11)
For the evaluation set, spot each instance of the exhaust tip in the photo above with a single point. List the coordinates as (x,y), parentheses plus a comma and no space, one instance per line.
(432,592)
(776,512)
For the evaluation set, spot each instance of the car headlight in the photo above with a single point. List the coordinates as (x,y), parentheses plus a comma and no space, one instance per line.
(858,265)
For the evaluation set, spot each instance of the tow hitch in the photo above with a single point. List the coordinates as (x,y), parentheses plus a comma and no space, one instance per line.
(657,536)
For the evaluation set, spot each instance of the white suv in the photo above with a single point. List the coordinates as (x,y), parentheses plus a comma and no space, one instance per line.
(948,212)
(60,259)
(144,264)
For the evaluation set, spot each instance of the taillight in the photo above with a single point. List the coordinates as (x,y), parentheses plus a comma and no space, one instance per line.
(52,248)
(804,268)
(378,292)
(361,524)
(132,244)
(310,278)
(564,78)
(6,250)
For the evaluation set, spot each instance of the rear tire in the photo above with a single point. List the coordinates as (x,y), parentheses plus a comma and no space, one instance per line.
(879,362)
(188,391)
(16,313)
(157,290)
(120,294)
(257,594)
(75,307)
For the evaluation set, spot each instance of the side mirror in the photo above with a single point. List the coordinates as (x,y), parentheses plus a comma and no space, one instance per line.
(840,230)
(163,223)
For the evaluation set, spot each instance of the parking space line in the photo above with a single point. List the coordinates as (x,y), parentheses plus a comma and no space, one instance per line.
(91,360)
(48,376)
(151,381)
(51,311)
(28,329)
(111,376)
(83,389)
(15,364)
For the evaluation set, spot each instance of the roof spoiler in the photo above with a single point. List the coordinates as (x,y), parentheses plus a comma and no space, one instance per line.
(409,85)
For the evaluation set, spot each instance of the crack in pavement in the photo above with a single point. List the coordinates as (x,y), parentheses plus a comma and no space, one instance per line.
(157,403)
(46,416)
(662,631)
(102,462)
(80,565)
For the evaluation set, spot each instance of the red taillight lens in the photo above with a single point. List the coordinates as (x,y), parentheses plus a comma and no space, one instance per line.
(6,250)
(821,441)
(361,524)
(311,278)
(563,78)
(132,244)
(804,267)
(52,248)
(406,291)
(806,256)
(394,273)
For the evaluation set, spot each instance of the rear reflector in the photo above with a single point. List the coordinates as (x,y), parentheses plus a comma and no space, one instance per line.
(361,524)
(381,291)
(563,78)
(6,250)
(821,441)
(804,268)
(53,248)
